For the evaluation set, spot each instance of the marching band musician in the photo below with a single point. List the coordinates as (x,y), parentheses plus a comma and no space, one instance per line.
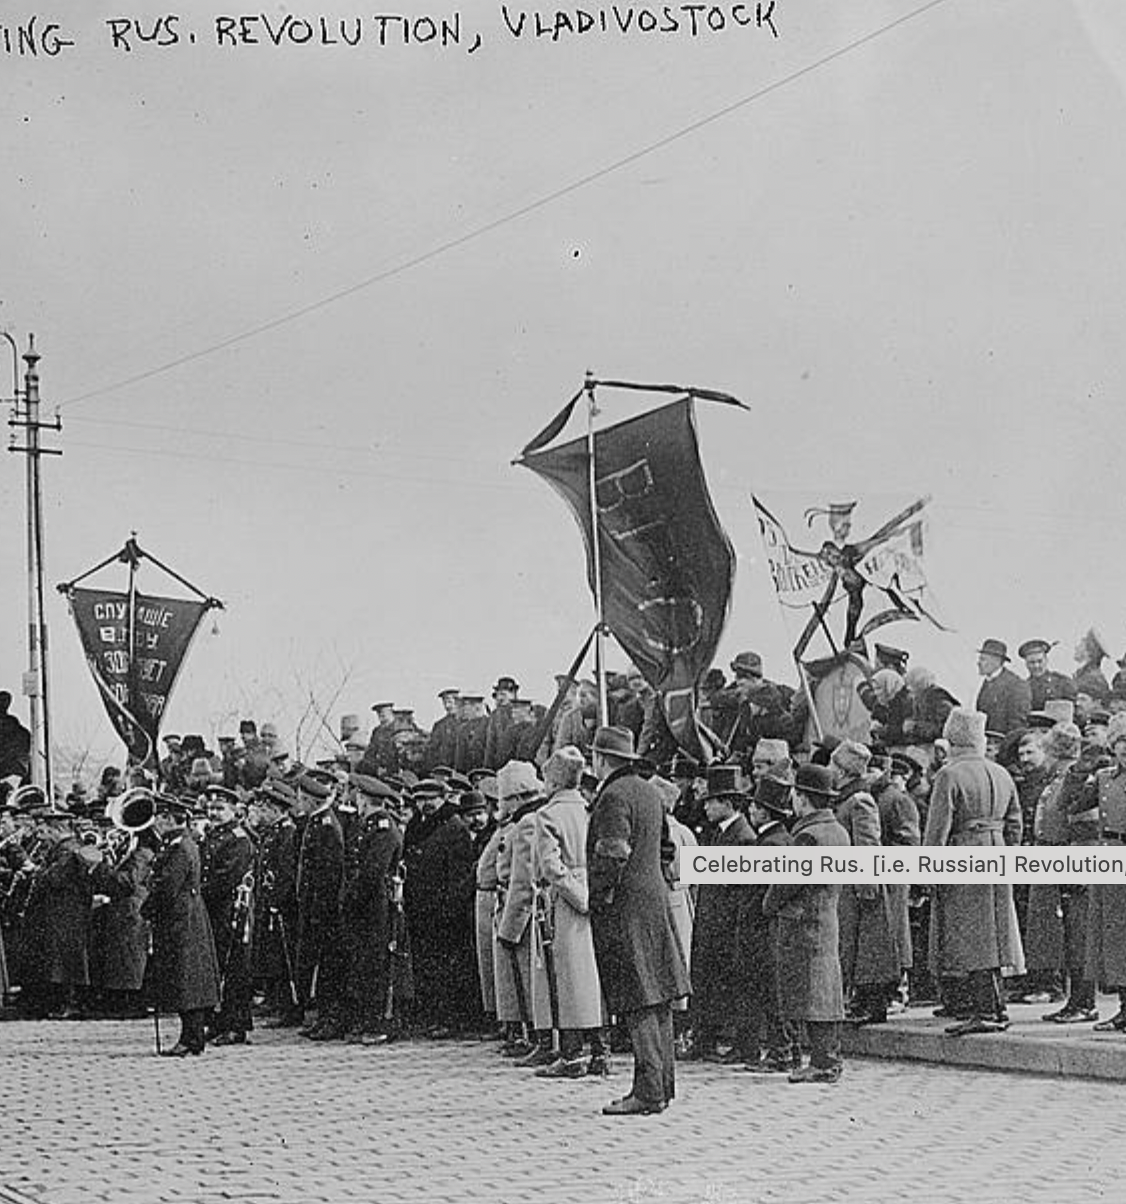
(275,901)
(226,875)
(183,971)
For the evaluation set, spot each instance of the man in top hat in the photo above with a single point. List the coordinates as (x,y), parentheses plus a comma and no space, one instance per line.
(1004,698)
(720,978)
(806,938)
(472,734)
(441,749)
(226,877)
(275,900)
(639,963)
(1043,683)
(371,906)
(438,897)
(974,931)
(771,1044)
(183,971)
(499,740)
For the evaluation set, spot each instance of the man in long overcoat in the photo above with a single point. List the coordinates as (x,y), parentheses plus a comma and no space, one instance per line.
(441,747)
(806,937)
(275,901)
(1004,698)
(183,971)
(1106,917)
(974,931)
(639,962)
(720,977)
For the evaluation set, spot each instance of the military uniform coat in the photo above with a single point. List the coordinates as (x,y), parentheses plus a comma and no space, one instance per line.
(500,739)
(717,970)
(320,869)
(123,944)
(1106,914)
(559,862)
(183,972)
(515,924)
(806,936)
(275,901)
(55,934)
(639,961)
(441,748)
(471,737)
(973,926)
(485,906)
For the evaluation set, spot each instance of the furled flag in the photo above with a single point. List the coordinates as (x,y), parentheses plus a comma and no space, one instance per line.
(667,566)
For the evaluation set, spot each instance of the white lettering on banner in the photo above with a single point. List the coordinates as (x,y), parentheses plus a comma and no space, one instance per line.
(921,866)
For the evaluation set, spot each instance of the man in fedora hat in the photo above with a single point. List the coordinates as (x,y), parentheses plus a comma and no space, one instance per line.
(1043,683)
(807,943)
(639,963)
(719,978)
(1004,698)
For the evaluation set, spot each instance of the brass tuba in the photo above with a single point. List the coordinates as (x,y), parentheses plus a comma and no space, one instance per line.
(133,811)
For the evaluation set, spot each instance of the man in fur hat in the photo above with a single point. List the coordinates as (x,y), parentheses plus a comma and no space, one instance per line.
(974,932)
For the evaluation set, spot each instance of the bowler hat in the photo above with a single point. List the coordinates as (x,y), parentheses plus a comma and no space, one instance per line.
(1031,646)
(507,683)
(614,742)
(774,794)
(815,780)
(724,782)
(996,648)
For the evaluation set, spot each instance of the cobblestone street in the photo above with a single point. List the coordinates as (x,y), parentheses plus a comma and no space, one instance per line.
(90,1114)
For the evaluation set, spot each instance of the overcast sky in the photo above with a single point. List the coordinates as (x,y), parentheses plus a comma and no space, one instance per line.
(908,260)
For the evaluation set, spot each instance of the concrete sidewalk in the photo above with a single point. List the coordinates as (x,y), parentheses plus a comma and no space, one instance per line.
(1031,1044)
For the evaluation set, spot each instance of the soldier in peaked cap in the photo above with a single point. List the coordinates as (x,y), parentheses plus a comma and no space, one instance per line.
(380,757)
(719,976)
(441,748)
(1004,698)
(1044,684)
(274,930)
(438,896)
(472,734)
(379,984)
(183,972)
(226,877)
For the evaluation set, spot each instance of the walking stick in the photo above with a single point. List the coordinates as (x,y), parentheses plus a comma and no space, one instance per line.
(156,1027)
(294,998)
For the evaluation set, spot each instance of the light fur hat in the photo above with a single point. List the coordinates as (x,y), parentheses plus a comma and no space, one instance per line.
(564,768)
(851,757)
(1063,740)
(771,746)
(518,777)
(965,729)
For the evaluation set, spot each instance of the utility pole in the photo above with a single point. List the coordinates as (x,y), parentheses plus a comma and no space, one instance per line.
(25,416)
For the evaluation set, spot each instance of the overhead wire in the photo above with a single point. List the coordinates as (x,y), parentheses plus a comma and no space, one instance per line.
(541,202)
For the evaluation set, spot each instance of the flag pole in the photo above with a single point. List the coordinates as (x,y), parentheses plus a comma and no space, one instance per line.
(134,693)
(596,551)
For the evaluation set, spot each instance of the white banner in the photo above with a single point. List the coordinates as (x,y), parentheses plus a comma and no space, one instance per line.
(921,866)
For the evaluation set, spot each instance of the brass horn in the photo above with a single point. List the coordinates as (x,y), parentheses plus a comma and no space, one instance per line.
(133,811)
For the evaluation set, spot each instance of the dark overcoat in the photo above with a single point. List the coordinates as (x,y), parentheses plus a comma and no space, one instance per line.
(1106,902)
(183,971)
(320,869)
(717,971)
(226,855)
(55,934)
(441,748)
(471,737)
(439,894)
(875,926)
(275,901)
(973,925)
(500,738)
(639,960)
(373,859)
(1006,701)
(123,944)
(755,941)
(806,938)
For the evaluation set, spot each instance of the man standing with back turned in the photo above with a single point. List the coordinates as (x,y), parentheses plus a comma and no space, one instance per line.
(639,962)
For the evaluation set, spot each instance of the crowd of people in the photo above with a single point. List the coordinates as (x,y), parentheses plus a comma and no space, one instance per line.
(512,874)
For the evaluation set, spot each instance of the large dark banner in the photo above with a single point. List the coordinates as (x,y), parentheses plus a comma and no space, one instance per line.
(135,650)
(667,564)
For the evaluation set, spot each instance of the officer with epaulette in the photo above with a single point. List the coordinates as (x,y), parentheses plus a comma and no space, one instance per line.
(275,900)
(371,907)
(227,887)
(319,963)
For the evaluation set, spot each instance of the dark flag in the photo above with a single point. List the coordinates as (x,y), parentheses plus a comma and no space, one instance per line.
(135,645)
(667,564)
